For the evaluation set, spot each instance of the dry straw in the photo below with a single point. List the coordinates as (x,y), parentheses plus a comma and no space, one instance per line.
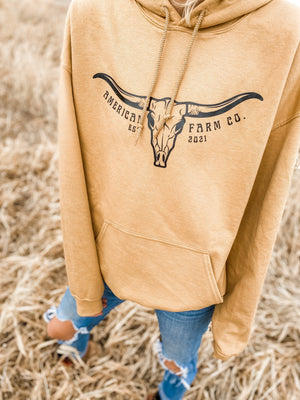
(32,273)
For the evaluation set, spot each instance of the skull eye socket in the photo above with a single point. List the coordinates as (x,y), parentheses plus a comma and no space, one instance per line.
(179,126)
(150,120)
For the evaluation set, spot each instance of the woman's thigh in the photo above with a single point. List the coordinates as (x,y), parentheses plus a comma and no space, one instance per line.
(181,332)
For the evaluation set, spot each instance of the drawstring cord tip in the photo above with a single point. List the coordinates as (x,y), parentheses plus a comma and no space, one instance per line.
(138,130)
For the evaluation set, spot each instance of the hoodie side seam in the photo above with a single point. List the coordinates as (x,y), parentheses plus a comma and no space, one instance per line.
(280,124)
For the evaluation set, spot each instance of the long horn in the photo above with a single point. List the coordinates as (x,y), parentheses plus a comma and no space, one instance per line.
(128,98)
(209,110)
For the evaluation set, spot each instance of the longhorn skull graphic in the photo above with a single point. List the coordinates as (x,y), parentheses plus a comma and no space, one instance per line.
(164,143)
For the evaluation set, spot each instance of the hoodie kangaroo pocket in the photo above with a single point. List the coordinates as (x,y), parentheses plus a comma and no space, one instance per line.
(155,272)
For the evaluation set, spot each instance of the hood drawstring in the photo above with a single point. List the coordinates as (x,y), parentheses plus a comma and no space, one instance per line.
(162,43)
(167,114)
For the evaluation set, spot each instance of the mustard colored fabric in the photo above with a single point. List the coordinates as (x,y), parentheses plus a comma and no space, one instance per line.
(187,215)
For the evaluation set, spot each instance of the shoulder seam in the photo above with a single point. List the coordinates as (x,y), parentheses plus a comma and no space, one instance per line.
(279,124)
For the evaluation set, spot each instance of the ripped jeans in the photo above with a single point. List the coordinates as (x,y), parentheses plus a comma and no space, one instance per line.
(180,338)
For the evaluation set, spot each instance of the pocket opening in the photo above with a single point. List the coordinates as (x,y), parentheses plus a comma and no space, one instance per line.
(155,272)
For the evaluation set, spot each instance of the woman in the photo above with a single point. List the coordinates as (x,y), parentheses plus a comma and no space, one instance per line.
(178,134)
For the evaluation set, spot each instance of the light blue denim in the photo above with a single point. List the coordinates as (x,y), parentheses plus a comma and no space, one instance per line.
(181,335)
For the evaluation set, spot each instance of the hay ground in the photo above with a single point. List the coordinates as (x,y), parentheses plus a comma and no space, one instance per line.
(32,271)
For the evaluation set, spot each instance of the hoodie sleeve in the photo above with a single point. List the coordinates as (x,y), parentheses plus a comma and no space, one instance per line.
(82,265)
(250,255)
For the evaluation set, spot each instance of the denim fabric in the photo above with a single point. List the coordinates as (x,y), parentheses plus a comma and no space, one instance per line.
(181,335)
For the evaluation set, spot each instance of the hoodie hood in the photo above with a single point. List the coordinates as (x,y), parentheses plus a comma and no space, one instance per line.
(217,11)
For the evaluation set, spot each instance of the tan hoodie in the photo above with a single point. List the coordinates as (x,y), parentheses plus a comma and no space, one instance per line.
(176,149)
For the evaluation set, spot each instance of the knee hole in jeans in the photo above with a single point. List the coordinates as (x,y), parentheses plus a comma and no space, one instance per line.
(171,365)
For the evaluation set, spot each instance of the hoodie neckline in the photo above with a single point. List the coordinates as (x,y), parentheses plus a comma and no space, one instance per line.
(221,15)
(158,22)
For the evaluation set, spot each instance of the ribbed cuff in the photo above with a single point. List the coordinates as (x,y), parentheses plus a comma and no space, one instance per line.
(219,355)
(88,308)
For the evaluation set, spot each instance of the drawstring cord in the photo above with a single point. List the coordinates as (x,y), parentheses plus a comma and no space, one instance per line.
(162,43)
(183,68)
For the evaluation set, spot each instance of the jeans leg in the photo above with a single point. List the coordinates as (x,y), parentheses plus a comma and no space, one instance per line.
(181,335)
(83,325)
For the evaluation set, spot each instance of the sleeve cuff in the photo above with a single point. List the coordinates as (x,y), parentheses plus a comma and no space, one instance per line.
(88,308)
(220,356)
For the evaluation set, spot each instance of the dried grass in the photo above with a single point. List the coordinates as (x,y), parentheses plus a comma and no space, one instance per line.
(32,272)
